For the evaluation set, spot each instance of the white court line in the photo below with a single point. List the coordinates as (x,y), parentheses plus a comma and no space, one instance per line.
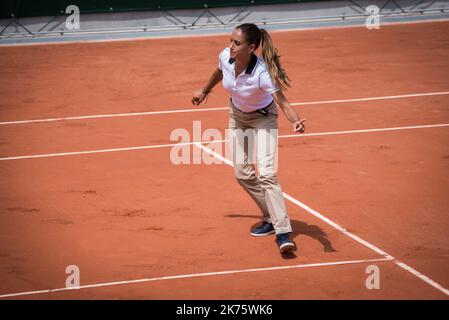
(48,155)
(194,275)
(134,114)
(343,230)
(94,151)
(374,98)
(114,115)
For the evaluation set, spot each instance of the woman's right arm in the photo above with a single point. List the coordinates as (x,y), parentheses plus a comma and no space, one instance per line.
(200,95)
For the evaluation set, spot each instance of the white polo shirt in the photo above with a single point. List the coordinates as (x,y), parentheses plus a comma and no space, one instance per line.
(252,89)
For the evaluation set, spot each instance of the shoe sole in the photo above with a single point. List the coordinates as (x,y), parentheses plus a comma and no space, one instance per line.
(287,248)
(262,234)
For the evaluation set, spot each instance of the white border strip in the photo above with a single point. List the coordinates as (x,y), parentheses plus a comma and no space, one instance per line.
(344,231)
(48,155)
(134,114)
(194,275)
(224,32)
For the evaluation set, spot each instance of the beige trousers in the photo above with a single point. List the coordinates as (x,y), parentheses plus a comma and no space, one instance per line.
(263,185)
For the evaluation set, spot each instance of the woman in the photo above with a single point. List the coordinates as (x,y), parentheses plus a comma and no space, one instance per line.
(255,86)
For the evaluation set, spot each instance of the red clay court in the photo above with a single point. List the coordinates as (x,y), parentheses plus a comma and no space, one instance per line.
(366,185)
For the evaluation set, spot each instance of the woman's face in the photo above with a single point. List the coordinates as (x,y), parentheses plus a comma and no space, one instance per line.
(239,47)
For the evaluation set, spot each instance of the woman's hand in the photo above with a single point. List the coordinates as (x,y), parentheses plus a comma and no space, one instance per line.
(299,126)
(198,97)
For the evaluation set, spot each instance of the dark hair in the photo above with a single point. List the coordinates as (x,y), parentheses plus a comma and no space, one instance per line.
(254,35)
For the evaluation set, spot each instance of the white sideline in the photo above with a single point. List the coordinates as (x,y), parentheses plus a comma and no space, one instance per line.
(343,230)
(194,275)
(134,114)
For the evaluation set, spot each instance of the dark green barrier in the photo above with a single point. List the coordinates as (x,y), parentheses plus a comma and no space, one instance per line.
(30,8)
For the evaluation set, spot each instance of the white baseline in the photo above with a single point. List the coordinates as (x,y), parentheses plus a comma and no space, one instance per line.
(136,114)
(62,154)
(194,275)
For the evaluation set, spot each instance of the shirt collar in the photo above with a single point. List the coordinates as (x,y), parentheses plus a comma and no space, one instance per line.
(251,65)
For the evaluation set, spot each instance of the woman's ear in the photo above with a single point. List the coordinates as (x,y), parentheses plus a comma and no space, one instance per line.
(252,47)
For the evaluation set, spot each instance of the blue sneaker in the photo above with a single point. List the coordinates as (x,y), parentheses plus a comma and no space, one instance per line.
(285,244)
(263,230)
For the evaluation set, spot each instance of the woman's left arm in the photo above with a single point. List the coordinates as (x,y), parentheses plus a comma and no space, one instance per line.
(290,114)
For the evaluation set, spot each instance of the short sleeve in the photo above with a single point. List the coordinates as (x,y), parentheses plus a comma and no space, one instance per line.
(219,60)
(266,83)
